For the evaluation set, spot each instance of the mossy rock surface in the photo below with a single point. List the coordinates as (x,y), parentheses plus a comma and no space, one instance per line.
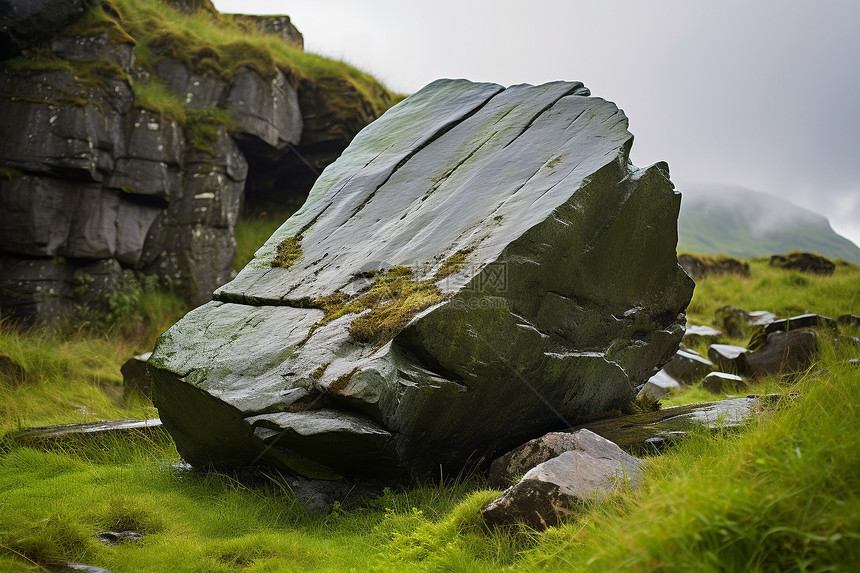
(480,266)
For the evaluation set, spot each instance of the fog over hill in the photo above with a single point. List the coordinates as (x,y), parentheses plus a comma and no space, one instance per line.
(722,219)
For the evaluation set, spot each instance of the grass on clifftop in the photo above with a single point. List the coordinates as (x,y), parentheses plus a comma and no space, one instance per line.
(780,495)
(207,43)
(216,45)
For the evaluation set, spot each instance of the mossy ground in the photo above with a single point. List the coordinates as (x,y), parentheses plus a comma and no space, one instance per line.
(780,495)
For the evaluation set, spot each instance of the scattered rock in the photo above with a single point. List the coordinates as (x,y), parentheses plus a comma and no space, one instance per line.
(71,567)
(135,378)
(803,321)
(782,353)
(53,434)
(701,266)
(554,488)
(688,366)
(848,321)
(696,333)
(728,358)
(854,362)
(658,386)
(650,432)
(115,538)
(804,262)
(737,323)
(507,469)
(506,214)
(722,383)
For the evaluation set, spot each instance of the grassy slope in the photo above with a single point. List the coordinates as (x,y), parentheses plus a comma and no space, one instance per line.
(782,495)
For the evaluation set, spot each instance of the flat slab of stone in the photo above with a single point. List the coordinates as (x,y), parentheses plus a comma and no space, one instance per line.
(649,432)
(512,211)
(696,332)
(802,321)
(43,434)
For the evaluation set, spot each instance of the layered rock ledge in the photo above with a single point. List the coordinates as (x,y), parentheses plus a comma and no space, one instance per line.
(99,176)
(482,265)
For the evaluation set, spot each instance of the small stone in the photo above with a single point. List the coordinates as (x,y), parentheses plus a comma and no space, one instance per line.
(721,383)
(556,487)
(135,378)
(517,462)
(659,385)
(696,333)
(727,357)
(736,322)
(113,537)
(848,321)
(71,567)
(688,366)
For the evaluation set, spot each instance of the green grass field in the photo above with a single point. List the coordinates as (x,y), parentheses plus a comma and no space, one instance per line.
(780,495)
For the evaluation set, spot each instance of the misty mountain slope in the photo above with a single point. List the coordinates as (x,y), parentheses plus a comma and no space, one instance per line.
(744,223)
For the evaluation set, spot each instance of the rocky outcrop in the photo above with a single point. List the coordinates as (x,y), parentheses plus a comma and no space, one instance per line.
(475,250)
(98,182)
(94,180)
(804,262)
(701,266)
(22,23)
(278,25)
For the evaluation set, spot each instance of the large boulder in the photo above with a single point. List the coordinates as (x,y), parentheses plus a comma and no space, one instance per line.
(482,265)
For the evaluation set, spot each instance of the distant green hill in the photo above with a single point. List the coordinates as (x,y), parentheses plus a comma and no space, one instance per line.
(743,223)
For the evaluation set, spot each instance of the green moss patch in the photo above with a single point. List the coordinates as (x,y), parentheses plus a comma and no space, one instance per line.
(392,300)
(289,251)
(9,173)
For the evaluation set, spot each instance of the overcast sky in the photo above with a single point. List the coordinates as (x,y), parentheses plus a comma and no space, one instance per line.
(757,93)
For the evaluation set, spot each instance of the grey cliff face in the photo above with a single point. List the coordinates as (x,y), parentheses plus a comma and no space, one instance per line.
(480,266)
(91,180)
